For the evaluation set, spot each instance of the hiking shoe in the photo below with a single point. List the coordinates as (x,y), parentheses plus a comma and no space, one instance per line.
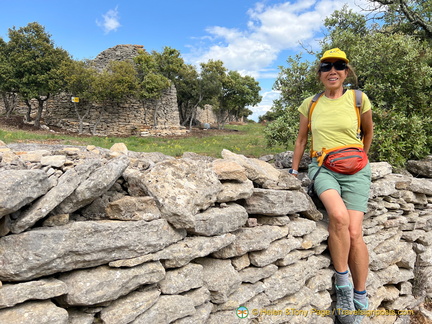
(360,307)
(345,304)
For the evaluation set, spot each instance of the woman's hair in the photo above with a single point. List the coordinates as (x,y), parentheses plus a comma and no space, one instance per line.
(351,78)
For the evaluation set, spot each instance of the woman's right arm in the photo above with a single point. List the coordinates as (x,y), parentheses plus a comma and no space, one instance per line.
(300,143)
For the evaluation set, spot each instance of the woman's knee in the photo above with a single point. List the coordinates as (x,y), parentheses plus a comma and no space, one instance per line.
(339,220)
(356,235)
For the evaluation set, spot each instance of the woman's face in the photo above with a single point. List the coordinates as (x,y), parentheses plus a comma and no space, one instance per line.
(334,78)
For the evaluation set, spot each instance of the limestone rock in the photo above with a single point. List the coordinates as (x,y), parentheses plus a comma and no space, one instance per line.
(199,296)
(245,292)
(421,168)
(258,171)
(67,183)
(276,202)
(94,186)
(383,187)
(101,284)
(423,186)
(276,250)
(187,187)
(234,190)
(380,169)
(252,239)
(55,161)
(284,160)
(133,208)
(229,170)
(119,148)
(220,278)
(181,253)
(13,294)
(254,274)
(79,317)
(300,226)
(48,250)
(40,312)
(293,277)
(285,181)
(217,221)
(201,315)
(167,309)
(20,187)
(125,309)
(182,279)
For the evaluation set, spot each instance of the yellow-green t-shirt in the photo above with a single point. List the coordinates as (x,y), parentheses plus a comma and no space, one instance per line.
(334,121)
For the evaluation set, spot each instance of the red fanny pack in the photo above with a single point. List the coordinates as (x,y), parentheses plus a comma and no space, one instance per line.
(348,160)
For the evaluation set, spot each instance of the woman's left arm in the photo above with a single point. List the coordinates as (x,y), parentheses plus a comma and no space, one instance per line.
(367,129)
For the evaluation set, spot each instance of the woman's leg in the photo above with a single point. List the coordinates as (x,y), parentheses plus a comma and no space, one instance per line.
(358,259)
(339,246)
(339,240)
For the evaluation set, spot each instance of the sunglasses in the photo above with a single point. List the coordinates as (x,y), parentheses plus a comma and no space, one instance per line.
(327,66)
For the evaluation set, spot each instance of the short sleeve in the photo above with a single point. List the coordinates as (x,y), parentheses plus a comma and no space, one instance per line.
(304,107)
(366,104)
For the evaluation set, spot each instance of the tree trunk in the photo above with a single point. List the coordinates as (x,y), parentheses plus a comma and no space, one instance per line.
(39,113)
(29,109)
(40,110)
(158,102)
(93,131)
(9,100)
(81,118)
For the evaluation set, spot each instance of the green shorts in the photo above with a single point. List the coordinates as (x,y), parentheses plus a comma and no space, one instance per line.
(353,188)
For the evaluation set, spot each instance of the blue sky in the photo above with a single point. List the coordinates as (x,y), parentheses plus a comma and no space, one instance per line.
(252,37)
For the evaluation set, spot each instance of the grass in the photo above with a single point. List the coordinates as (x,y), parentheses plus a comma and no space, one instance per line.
(247,139)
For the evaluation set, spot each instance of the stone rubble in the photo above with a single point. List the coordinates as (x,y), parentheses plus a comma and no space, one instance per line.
(89,235)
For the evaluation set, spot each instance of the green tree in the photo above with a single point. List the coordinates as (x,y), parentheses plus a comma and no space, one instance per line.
(228,92)
(214,75)
(151,82)
(35,62)
(190,94)
(7,92)
(169,63)
(411,17)
(240,92)
(396,76)
(79,81)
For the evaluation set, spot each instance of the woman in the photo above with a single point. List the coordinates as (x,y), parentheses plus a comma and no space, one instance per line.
(345,197)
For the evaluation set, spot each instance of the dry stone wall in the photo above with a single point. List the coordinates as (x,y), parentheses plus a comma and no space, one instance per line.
(89,235)
(132,117)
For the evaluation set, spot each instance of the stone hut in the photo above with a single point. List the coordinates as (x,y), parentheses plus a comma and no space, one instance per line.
(129,118)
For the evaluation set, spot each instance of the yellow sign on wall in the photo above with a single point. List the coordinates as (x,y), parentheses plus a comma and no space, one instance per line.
(75,99)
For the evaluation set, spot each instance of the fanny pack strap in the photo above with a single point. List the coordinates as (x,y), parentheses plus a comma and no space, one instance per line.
(320,156)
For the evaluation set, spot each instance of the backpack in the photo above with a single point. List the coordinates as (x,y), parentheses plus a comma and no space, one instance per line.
(357,107)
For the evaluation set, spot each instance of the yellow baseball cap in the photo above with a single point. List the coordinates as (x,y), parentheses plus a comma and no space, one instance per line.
(334,53)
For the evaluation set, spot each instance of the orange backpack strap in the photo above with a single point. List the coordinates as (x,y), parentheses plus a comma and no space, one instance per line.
(358,95)
(311,109)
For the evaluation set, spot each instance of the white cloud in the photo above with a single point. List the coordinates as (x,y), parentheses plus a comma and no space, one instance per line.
(111,21)
(269,31)
(265,104)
